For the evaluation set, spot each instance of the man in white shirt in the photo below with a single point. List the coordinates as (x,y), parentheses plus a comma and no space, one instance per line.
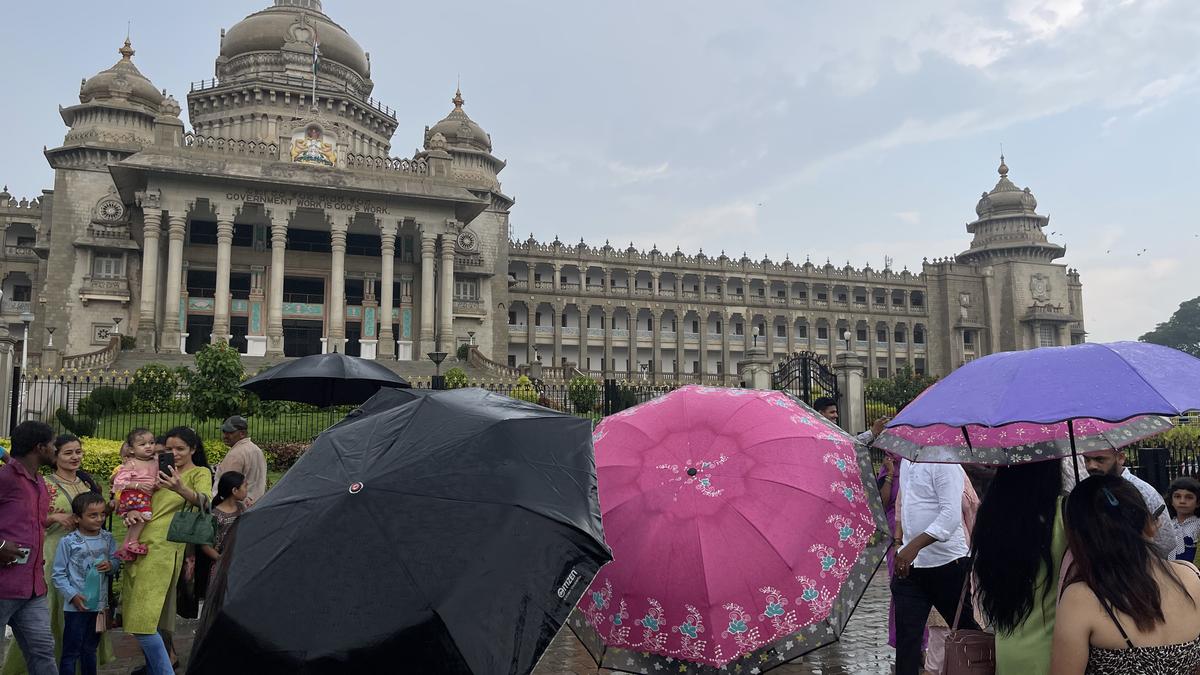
(244,457)
(1112,462)
(932,563)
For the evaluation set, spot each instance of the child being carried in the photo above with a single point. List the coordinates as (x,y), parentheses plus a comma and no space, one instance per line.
(135,483)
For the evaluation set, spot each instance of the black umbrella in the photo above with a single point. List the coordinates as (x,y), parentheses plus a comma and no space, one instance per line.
(428,532)
(324,380)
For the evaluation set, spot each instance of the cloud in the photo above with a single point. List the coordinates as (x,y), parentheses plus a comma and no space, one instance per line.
(1043,19)
(910,217)
(727,226)
(626,174)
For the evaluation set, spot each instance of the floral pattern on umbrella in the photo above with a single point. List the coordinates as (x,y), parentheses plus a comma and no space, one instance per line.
(761,564)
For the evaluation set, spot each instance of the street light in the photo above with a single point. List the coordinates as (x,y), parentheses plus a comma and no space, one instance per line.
(438,382)
(26,318)
(471,334)
(50,330)
(116,325)
(756,336)
(645,367)
(847,336)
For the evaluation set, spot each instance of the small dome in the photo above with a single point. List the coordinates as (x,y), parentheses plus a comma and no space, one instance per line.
(122,81)
(295,21)
(459,129)
(1006,197)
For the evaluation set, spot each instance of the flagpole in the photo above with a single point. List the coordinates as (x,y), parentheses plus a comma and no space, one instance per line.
(316,57)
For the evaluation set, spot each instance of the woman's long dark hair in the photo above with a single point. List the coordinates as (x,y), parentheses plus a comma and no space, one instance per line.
(192,439)
(82,475)
(1106,520)
(1013,532)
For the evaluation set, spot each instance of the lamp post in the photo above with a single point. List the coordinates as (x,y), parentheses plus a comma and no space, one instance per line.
(116,325)
(26,318)
(50,330)
(756,337)
(438,382)
(645,367)
(471,335)
(847,336)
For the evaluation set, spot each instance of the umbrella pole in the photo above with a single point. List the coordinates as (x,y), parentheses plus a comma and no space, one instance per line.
(1074,453)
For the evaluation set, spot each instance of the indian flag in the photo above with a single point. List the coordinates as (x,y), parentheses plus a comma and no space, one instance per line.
(316,55)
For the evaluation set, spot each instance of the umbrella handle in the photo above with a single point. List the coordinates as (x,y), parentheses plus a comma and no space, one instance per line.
(1074,452)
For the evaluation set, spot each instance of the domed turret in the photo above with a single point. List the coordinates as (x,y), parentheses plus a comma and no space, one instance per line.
(122,82)
(1008,227)
(459,129)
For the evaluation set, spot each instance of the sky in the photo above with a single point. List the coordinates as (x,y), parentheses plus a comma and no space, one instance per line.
(848,131)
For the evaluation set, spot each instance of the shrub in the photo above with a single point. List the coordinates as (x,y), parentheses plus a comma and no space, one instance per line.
(154,388)
(456,378)
(524,390)
(110,399)
(281,456)
(213,389)
(128,342)
(464,350)
(89,408)
(80,425)
(583,390)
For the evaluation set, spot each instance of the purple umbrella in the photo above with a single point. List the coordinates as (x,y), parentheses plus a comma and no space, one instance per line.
(1017,407)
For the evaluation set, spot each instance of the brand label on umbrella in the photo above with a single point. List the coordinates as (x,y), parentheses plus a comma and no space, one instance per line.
(356,488)
(568,584)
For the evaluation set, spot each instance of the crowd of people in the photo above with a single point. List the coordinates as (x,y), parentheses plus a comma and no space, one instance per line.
(1092,577)
(58,562)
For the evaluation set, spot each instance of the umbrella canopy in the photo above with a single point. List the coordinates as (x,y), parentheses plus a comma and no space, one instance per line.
(1046,403)
(324,380)
(447,532)
(744,527)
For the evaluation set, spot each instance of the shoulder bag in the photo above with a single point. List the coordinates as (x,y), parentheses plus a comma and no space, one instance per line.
(969,652)
(193,525)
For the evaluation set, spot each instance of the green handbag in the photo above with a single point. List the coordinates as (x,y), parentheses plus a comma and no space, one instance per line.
(192,526)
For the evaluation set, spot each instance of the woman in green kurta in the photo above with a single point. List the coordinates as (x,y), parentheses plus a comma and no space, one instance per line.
(148,597)
(1019,544)
(64,484)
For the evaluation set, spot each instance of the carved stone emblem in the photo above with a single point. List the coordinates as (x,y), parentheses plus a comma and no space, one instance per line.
(310,146)
(1039,287)
(467,241)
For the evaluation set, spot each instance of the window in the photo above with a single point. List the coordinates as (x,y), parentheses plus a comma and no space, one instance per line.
(564,319)
(1047,336)
(917,299)
(512,318)
(802,331)
(695,366)
(861,299)
(466,289)
(108,265)
(781,294)
(803,294)
(919,335)
(899,336)
(512,360)
(738,290)
(720,367)
(968,338)
(737,329)
(919,366)
(537,318)
(718,327)
(860,334)
(537,276)
(762,292)
(883,372)
(695,327)
(841,297)
(897,299)
(673,326)
(562,280)
(780,330)
(822,332)
(881,335)
(822,296)
(22,293)
(650,323)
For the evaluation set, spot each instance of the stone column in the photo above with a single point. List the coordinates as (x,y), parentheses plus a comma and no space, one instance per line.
(279,228)
(446,330)
(7,351)
(428,244)
(531,333)
(557,275)
(387,238)
(174,316)
(256,339)
(608,342)
(891,329)
(769,329)
(583,338)
(608,281)
(678,287)
(224,254)
(755,369)
(336,331)
(654,276)
(851,386)
(726,328)
(656,332)
(791,332)
(704,316)
(148,312)
(556,316)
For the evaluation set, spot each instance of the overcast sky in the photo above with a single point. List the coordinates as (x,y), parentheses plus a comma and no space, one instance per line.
(851,131)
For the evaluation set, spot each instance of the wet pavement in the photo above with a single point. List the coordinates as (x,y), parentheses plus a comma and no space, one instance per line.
(863,649)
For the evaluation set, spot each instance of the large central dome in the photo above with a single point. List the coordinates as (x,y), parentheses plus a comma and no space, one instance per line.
(291,23)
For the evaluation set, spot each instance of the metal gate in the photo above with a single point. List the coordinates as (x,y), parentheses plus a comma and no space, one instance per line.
(805,375)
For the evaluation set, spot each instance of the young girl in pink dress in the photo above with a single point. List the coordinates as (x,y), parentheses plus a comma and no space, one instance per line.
(135,484)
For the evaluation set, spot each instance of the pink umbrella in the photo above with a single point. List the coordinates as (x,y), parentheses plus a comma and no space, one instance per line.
(744,527)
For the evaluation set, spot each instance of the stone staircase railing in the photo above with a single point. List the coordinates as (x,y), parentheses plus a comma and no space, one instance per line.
(101,358)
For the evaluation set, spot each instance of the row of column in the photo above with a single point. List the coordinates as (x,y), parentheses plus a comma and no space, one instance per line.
(723,289)
(336,330)
(832,343)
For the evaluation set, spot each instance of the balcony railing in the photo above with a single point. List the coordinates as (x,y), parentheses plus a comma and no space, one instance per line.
(19,252)
(16,306)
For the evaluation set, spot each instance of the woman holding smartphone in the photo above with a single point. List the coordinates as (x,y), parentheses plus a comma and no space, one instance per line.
(149,591)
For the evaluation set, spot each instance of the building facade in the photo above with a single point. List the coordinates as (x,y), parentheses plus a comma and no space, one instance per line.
(281,223)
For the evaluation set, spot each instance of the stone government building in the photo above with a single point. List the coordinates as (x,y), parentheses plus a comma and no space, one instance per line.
(281,223)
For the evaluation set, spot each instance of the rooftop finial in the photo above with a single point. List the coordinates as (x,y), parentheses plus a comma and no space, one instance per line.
(1003,167)
(458,99)
(126,51)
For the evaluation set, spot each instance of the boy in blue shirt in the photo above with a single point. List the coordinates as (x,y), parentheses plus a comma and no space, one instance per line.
(83,558)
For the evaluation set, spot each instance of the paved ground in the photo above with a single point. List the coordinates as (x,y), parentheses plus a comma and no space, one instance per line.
(862,651)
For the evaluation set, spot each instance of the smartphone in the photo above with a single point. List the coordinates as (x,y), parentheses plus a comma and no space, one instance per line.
(166,460)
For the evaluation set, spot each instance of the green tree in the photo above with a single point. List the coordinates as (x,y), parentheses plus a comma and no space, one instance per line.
(524,390)
(456,378)
(1181,331)
(583,392)
(900,389)
(213,389)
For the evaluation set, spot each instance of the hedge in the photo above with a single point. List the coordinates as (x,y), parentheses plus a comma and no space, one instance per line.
(101,456)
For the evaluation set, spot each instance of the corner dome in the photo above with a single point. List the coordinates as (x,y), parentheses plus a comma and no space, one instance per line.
(122,81)
(459,129)
(292,21)
(1006,197)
